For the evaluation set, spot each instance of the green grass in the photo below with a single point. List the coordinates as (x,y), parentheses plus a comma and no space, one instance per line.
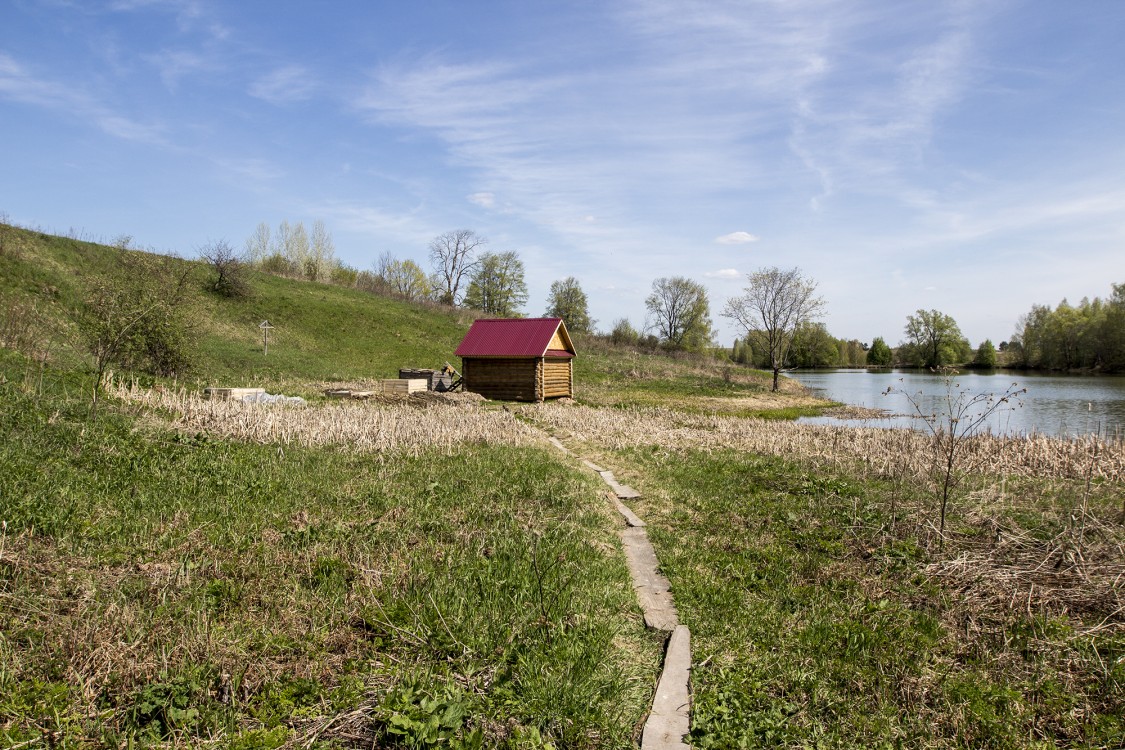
(814,626)
(160,587)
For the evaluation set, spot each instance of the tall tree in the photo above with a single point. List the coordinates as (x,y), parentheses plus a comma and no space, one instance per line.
(680,313)
(297,248)
(880,355)
(497,286)
(813,346)
(623,333)
(934,339)
(259,245)
(453,256)
(566,300)
(986,355)
(775,304)
(322,254)
(406,279)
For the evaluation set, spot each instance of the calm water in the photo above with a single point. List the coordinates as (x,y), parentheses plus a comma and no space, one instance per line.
(1060,405)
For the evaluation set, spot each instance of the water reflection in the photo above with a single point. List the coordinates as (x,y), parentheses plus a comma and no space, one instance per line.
(1060,405)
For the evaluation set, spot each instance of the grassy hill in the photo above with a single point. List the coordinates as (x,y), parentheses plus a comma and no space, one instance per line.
(321,332)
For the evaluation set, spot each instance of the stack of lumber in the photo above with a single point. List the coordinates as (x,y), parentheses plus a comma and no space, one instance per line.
(436,380)
(403,386)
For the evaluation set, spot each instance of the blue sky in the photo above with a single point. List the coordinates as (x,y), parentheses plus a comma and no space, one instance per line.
(963,156)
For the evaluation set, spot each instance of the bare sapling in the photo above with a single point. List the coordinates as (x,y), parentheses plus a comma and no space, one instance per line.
(951,422)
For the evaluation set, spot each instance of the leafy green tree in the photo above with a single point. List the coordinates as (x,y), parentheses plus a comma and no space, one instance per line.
(566,300)
(853,353)
(497,286)
(1089,336)
(986,355)
(880,355)
(934,339)
(679,313)
(813,346)
(402,278)
(1113,334)
(774,305)
(623,333)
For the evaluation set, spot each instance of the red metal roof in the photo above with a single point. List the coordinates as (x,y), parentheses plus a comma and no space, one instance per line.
(512,337)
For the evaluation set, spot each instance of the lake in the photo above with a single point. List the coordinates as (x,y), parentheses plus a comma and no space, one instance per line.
(1059,405)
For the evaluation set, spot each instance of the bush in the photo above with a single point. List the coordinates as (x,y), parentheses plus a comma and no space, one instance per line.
(228,270)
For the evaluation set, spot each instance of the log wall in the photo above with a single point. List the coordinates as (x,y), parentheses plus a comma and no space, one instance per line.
(502,378)
(510,379)
(558,378)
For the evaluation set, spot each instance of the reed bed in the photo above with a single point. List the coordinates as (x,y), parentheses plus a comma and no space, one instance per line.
(882,451)
(411,426)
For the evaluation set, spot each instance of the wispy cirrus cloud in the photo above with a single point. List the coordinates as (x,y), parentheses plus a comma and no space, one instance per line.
(20,85)
(287,84)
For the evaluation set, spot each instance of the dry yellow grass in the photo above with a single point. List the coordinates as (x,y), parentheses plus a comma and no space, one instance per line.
(883,451)
(407,425)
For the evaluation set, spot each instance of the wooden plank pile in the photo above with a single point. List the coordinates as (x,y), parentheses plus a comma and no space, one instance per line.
(436,380)
(389,387)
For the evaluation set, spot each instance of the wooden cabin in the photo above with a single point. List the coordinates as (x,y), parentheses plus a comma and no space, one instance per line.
(518,359)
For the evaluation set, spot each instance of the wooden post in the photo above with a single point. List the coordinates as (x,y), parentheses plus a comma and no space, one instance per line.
(266,328)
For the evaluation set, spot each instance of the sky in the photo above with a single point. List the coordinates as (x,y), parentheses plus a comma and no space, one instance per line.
(967,157)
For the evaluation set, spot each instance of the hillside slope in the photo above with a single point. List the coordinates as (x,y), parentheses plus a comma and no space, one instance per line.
(320,332)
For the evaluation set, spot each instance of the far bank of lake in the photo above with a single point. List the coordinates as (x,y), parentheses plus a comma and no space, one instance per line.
(1059,405)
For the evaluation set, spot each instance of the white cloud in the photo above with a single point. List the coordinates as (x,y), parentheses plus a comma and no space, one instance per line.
(736,238)
(725,273)
(176,65)
(484,200)
(18,84)
(291,83)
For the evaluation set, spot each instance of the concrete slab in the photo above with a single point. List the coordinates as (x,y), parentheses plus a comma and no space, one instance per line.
(670,719)
(623,491)
(593,465)
(558,444)
(630,517)
(653,590)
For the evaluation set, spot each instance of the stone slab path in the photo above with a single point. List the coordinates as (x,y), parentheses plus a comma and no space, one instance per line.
(669,721)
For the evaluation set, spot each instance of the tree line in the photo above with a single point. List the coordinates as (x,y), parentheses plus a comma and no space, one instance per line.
(777,312)
(1087,336)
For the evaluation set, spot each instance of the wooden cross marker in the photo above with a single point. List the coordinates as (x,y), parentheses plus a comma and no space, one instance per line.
(266,328)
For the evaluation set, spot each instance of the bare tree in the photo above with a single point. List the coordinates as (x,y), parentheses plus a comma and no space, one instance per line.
(680,313)
(322,253)
(229,279)
(775,304)
(259,245)
(453,256)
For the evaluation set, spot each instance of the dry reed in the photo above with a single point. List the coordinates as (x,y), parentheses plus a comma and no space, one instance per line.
(407,425)
(882,451)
